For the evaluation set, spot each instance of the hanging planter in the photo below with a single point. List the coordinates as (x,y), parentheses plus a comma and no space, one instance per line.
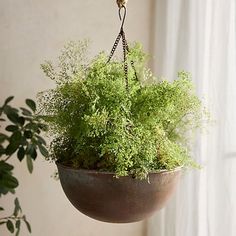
(117,200)
(119,133)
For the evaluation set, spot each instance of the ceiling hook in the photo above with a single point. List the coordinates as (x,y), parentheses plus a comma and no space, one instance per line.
(121,3)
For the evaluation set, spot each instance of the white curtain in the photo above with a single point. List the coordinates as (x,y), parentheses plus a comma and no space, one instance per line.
(200,36)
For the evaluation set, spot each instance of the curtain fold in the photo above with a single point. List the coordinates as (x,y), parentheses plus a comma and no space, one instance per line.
(200,37)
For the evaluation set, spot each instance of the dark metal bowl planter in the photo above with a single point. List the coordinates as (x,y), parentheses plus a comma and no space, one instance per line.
(103,197)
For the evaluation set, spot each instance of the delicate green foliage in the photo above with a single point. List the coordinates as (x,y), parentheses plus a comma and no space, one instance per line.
(24,132)
(13,222)
(7,181)
(96,124)
(70,62)
(23,138)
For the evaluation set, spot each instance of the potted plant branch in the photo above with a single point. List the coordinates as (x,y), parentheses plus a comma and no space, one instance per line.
(119,151)
(22,136)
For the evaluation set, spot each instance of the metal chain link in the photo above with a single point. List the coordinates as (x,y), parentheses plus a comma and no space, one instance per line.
(114,47)
(124,44)
(131,62)
(121,35)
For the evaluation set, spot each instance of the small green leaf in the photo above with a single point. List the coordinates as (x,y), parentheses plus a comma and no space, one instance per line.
(2,150)
(21,153)
(21,120)
(31,104)
(10,110)
(23,141)
(26,112)
(29,163)
(3,191)
(5,166)
(18,223)
(8,100)
(28,134)
(11,148)
(17,203)
(8,181)
(41,140)
(13,117)
(31,126)
(31,151)
(10,226)
(1,209)
(12,128)
(27,224)
(12,191)
(17,207)
(16,137)
(15,141)
(43,150)
(3,137)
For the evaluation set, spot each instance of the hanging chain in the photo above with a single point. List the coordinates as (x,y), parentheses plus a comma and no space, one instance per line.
(124,44)
(114,47)
(120,36)
(131,62)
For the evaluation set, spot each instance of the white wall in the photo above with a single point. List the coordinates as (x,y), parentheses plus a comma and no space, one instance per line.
(31,31)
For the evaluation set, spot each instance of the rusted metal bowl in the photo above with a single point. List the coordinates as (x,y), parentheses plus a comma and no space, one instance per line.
(117,200)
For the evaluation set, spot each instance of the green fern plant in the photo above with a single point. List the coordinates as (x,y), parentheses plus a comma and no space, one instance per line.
(97,124)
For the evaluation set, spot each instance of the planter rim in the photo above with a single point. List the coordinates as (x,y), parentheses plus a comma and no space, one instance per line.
(113,173)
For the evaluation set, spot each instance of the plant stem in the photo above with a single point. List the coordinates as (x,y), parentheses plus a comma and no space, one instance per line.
(11,217)
(7,158)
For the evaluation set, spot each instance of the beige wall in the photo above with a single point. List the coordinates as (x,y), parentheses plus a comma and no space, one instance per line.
(31,31)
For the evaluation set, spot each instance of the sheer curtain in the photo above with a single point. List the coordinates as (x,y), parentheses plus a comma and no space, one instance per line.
(200,36)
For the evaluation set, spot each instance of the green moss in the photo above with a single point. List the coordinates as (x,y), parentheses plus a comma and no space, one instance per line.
(96,124)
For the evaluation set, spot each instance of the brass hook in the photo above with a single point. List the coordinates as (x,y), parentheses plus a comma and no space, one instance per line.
(121,3)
